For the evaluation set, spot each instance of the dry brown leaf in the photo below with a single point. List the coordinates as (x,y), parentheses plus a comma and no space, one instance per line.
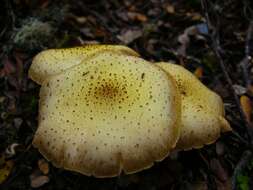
(131,7)
(199,72)
(43,166)
(130,35)
(170,9)
(137,16)
(5,170)
(194,16)
(81,19)
(38,181)
(141,17)
(100,32)
(246,106)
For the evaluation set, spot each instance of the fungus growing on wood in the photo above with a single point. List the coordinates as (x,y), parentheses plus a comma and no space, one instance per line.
(202,109)
(109,114)
(55,61)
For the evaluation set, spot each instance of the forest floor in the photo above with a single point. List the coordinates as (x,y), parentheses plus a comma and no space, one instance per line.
(214,40)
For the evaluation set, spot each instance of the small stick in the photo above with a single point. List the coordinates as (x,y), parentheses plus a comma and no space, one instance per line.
(245,63)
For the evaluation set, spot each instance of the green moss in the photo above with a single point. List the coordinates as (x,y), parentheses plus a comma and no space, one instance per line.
(34,34)
(243,182)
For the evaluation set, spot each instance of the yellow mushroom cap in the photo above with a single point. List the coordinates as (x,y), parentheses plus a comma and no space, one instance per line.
(55,61)
(202,109)
(109,114)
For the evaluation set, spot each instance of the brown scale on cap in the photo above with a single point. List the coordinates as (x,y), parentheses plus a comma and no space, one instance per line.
(108,114)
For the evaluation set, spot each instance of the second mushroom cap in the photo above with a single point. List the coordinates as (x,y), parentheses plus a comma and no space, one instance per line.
(203,113)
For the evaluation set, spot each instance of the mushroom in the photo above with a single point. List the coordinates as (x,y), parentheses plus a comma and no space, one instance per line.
(55,61)
(104,115)
(202,109)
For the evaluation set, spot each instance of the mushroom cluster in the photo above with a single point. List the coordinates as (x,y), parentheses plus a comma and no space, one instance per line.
(104,110)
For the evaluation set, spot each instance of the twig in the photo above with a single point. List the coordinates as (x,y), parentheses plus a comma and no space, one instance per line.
(214,34)
(245,63)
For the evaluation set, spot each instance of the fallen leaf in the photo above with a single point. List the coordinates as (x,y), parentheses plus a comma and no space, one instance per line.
(141,17)
(239,90)
(131,7)
(81,19)
(170,9)
(194,16)
(5,170)
(43,166)
(197,17)
(199,72)
(100,32)
(131,15)
(246,106)
(130,35)
(37,179)
(137,16)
